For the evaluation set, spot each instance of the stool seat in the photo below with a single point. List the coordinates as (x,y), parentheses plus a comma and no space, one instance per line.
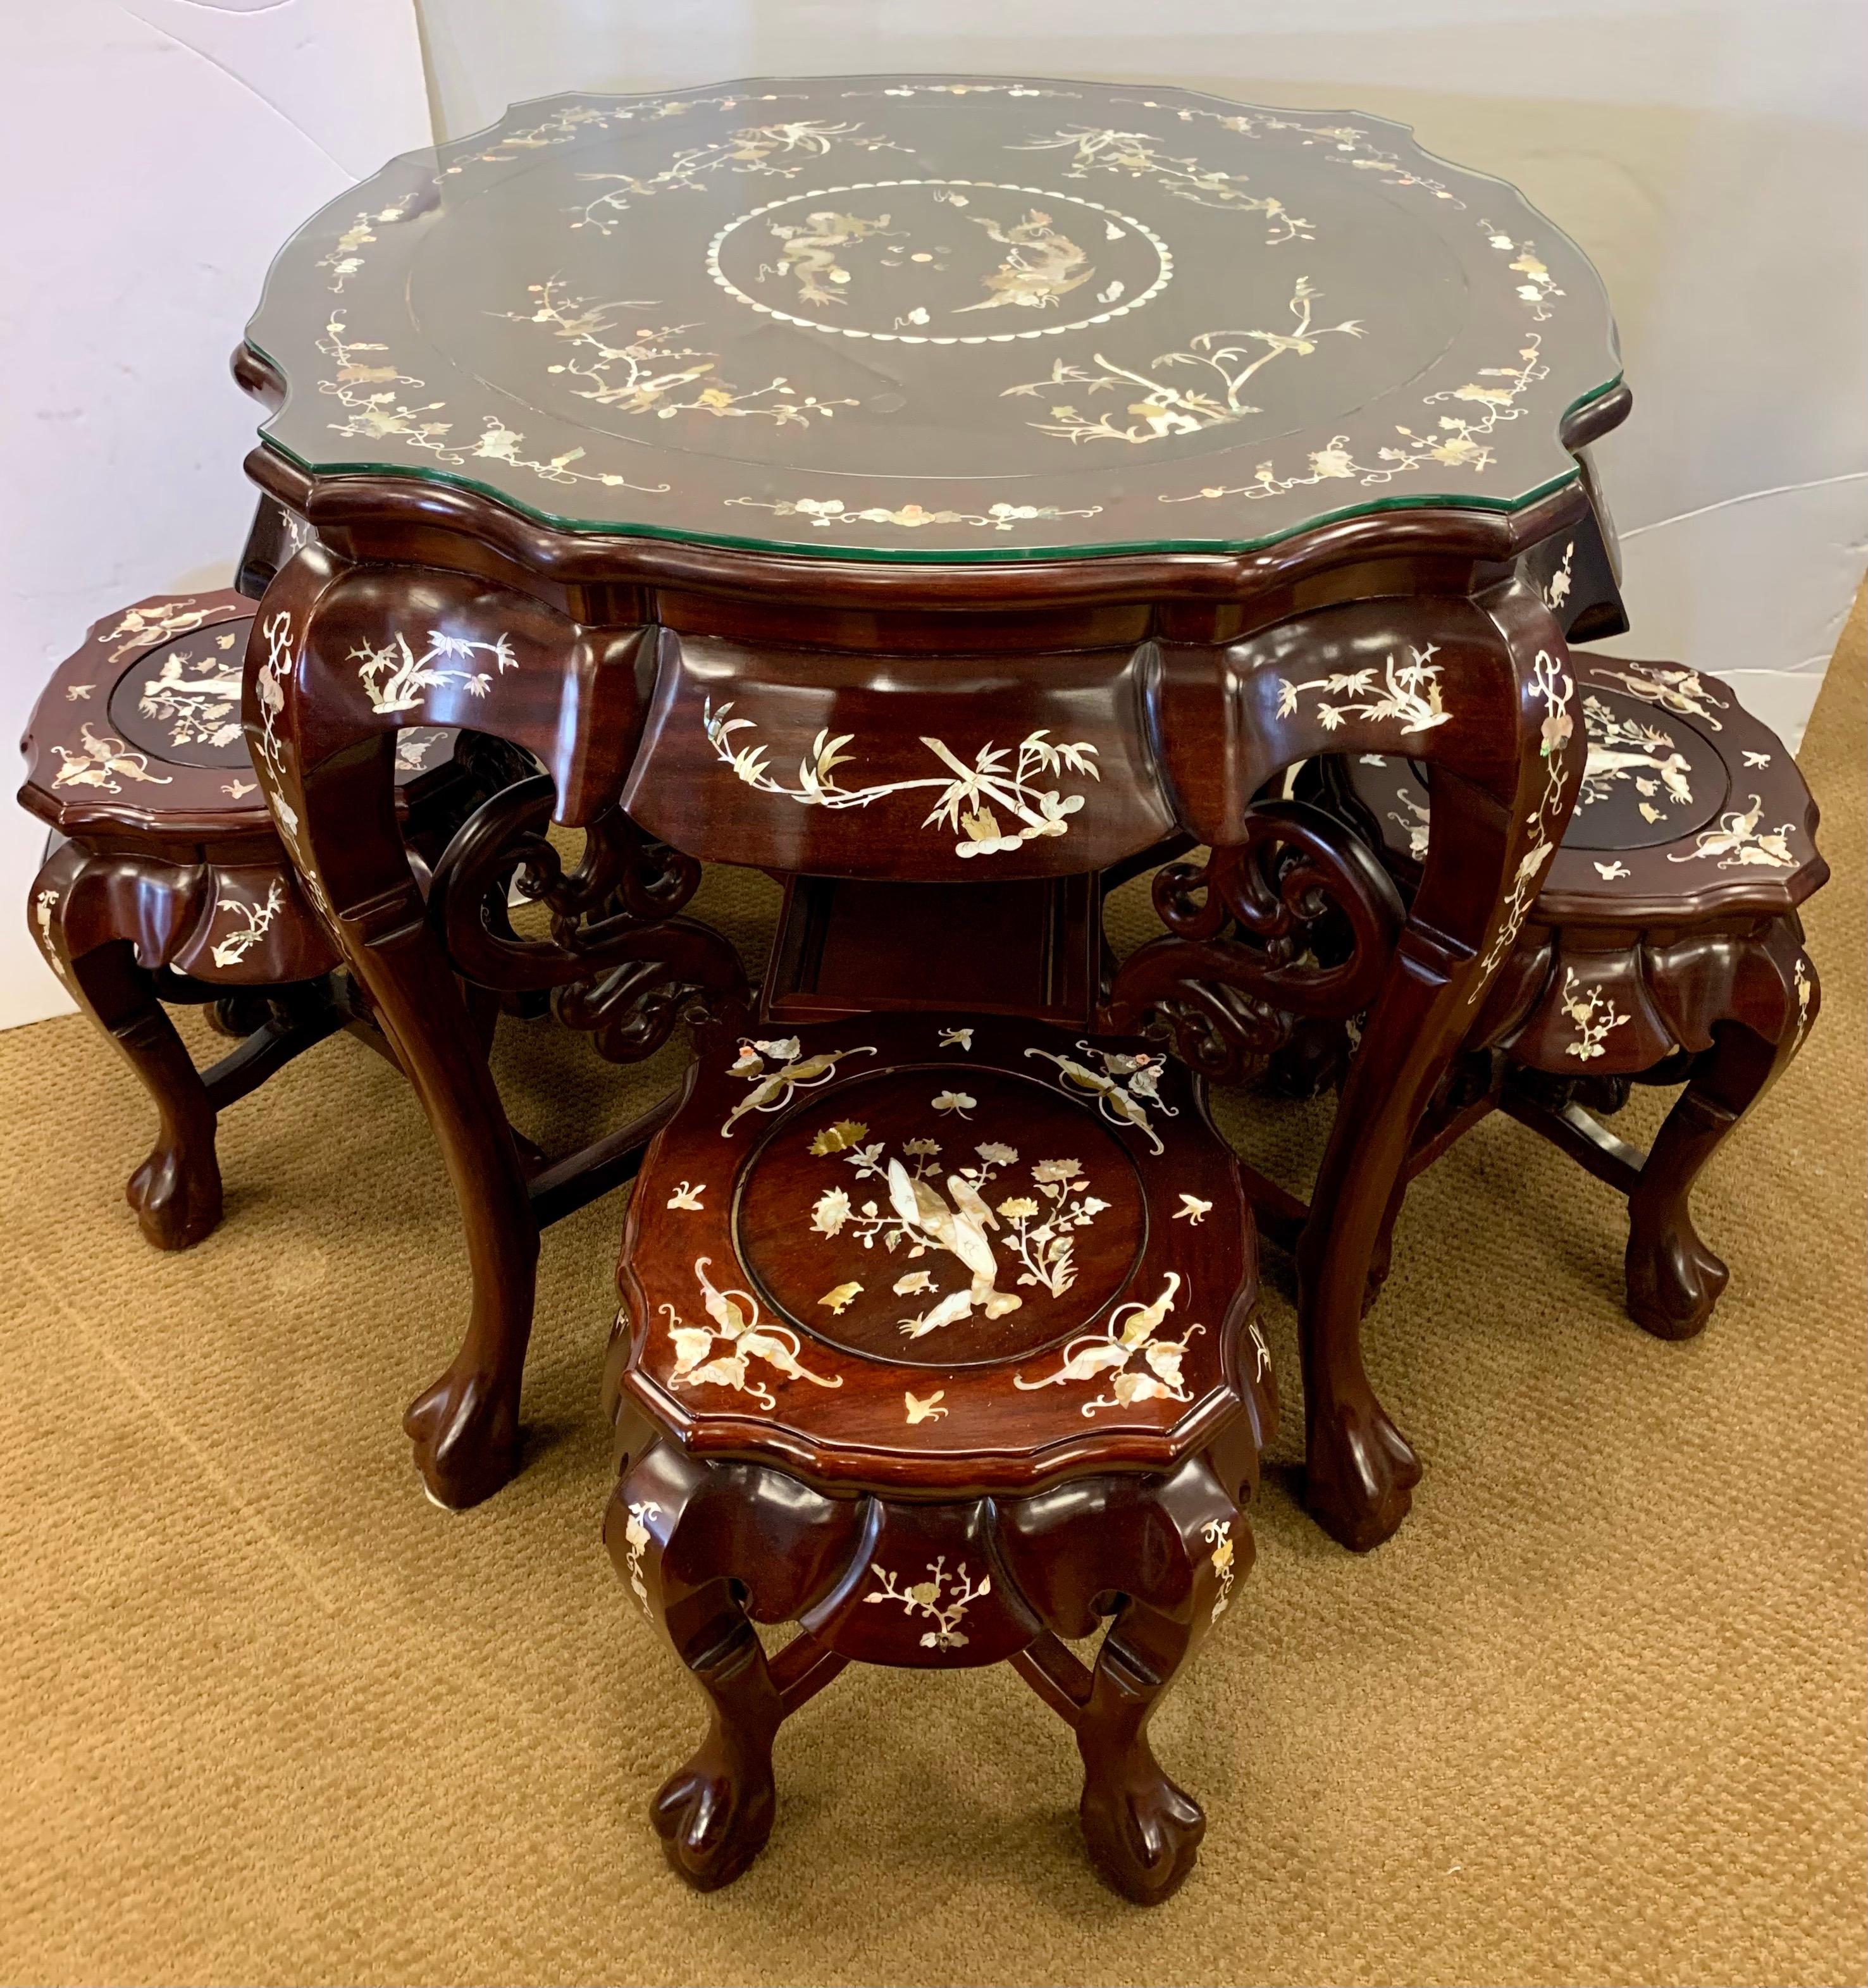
(168,881)
(936,1339)
(1692,820)
(135,750)
(1662,946)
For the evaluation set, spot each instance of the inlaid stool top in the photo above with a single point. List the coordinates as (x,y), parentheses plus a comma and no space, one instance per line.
(1691,808)
(936,319)
(959,1255)
(139,727)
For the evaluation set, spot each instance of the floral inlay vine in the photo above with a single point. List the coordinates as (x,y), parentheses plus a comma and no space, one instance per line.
(395,678)
(342,261)
(1553,685)
(1593,1011)
(646,374)
(924,1407)
(198,698)
(1229,358)
(1138,155)
(687,1196)
(825,511)
(736,1326)
(44,904)
(1130,1332)
(1408,695)
(1539,286)
(144,628)
(269,694)
(1681,691)
(962,89)
(1342,139)
(1457,442)
(104,762)
(384,414)
(1805,992)
(1739,844)
(1218,1534)
(1124,1089)
(775,151)
(256,920)
(943,1597)
(637,1540)
(1417,824)
(964,799)
(777,1069)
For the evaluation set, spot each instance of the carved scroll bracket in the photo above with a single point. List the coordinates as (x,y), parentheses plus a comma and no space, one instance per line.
(1298,918)
(619,964)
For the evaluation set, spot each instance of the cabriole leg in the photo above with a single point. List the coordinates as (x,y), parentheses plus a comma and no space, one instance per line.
(1673,1280)
(176,1191)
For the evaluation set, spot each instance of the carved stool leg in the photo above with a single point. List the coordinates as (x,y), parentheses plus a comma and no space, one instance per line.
(1173,1548)
(1673,1280)
(673,1529)
(176,1191)
(1143,1831)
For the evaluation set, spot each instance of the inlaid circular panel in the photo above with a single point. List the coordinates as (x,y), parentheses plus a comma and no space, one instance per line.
(898,261)
(1653,778)
(934,318)
(181,702)
(1036,1210)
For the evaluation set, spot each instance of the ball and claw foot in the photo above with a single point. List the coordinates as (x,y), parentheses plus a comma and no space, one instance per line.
(1143,1833)
(177,1203)
(713,1820)
(1358,1478)
(466,1433)
(1674,1282)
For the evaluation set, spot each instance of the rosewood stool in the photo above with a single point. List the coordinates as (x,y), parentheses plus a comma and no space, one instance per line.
(937,1339)
(167,881)
(1663,946)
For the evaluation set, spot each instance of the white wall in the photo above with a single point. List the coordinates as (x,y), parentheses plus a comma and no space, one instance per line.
(1711,157)
(154,153)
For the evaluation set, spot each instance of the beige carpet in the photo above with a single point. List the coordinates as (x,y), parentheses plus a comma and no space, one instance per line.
(1595,1714)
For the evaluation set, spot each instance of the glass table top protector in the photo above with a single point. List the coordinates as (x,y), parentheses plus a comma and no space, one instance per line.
(937,319)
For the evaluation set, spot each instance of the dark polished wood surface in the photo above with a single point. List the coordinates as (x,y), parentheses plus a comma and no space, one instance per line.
(167,881)
(1664,947)
(1026,729)
(931,318)
(1032,1400)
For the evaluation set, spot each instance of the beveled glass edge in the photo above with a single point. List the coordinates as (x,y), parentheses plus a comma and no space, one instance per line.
(910,556)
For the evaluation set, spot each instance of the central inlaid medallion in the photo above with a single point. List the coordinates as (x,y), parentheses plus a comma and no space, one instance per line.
(940,262)
(941,1216)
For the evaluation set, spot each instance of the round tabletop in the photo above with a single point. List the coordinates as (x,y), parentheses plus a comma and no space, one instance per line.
(947,319)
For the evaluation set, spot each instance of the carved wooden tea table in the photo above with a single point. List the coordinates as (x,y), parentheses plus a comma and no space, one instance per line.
(937,1339)
(952,496)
